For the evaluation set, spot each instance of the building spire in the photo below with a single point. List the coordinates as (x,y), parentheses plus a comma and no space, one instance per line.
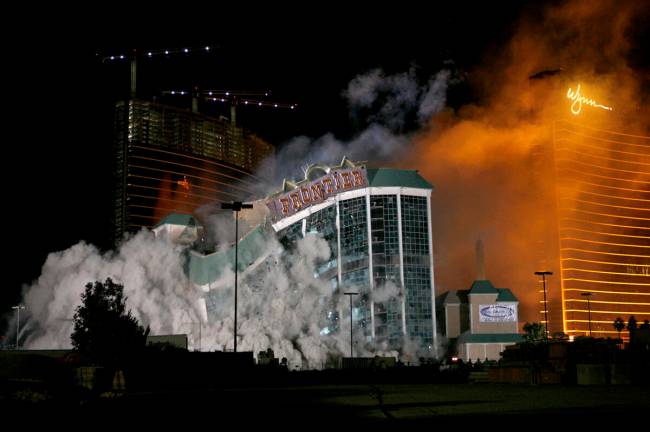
(480,260)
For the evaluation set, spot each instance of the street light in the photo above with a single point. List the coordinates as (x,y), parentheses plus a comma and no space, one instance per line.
(543,275)
(351,294)
(588,294)
(236,206)
(17,309)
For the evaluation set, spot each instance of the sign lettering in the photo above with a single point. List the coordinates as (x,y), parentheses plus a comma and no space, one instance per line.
(578,100)
(497,313)
(317,191)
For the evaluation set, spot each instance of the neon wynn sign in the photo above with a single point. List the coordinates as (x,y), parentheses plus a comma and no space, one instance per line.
(578,100)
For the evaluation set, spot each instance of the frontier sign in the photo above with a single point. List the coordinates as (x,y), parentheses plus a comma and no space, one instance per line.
(317,191)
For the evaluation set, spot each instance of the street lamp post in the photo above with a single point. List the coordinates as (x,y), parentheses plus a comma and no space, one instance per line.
(588,294)
(17,309)
(236,206)
(351,294)
(543,275)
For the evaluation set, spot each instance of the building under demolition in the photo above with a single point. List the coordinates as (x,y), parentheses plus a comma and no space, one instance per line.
(377,223)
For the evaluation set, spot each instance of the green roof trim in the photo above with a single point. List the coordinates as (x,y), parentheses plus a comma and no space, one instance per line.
(203,269)
(396,177)
(178,219)
(490,338)
(483,287)
(505,295)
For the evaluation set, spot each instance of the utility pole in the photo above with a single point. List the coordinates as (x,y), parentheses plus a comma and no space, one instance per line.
(543,275)
(236,206)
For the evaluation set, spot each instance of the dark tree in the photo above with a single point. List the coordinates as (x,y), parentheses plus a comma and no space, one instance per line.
(631,324)
(104,330)
(534,331)
(619,325)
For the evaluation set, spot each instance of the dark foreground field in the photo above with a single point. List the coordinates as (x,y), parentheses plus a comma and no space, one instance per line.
(325,406)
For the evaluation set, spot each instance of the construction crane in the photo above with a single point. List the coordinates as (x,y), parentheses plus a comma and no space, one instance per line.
(135,54)
(233,97)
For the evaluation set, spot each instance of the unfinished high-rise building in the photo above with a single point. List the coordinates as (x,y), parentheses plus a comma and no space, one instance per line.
(169,159)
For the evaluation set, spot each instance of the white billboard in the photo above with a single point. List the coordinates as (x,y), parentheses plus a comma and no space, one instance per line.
(502,312)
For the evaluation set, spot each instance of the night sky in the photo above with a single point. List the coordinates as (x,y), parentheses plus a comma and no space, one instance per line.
(61,95)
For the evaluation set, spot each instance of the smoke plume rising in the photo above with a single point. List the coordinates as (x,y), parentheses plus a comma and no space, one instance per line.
(491,161)
(488,162)
(388,107)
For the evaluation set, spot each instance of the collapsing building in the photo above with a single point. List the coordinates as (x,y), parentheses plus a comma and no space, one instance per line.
(377,223)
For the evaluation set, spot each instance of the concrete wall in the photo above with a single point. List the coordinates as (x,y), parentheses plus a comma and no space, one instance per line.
(452,316)
(481,351)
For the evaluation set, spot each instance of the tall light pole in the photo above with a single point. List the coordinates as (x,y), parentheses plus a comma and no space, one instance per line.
(543,275)
(588,294)
(236,206)
(17,309)
(351,294)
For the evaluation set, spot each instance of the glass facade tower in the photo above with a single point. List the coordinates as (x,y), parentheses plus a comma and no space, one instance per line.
(379,232)
(603,187)
(174,160)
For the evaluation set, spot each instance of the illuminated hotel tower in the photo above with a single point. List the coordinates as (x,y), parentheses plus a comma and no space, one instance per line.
(603,196)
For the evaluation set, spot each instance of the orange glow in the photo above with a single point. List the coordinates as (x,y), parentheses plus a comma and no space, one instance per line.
(604,177)
(606,282)
(608,292)
(608,312)
(605,272)
(613,196)
(184,183)
(609,302)
(205,161)
(606,140)
(604,224)
(605,262)
(581,144)
(608,215)
(594,331)
(606,168)
(493,162)
(603,243)
(606,205)
(604,253)
(593,322)
(584,126)
(604,233)
(578,100)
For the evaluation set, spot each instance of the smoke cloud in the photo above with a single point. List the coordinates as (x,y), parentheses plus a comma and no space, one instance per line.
(282,306)
(389,107)
(150,269)
(488,162)
(491,161)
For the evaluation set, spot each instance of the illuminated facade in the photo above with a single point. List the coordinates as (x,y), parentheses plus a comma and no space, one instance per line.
(603,196)
(173,160)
